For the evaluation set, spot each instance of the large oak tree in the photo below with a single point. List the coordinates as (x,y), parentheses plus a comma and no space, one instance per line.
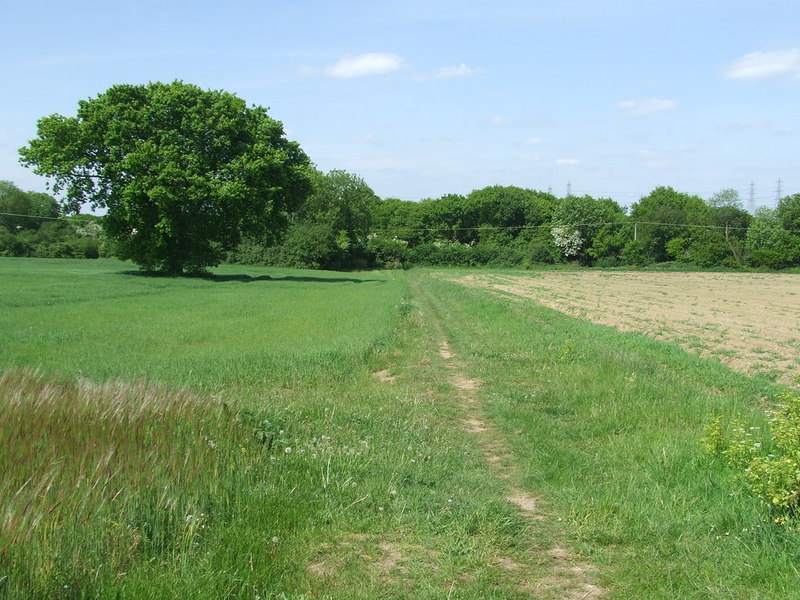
(182,172)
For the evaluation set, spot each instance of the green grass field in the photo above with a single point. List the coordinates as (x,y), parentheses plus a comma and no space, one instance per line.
(268,433)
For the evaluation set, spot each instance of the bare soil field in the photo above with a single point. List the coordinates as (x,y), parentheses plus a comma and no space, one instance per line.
(749,321)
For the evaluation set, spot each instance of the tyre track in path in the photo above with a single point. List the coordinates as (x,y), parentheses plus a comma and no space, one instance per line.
(568,577)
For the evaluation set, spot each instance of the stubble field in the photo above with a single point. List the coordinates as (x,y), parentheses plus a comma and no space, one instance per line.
(749,322)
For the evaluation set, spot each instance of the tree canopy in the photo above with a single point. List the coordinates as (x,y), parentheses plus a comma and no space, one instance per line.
(183,173)
(24,210)
(665,215)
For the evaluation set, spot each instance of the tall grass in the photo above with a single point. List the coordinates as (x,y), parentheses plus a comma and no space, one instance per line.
(98,477)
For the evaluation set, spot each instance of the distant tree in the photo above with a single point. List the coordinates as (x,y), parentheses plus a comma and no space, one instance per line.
(399,219)
(789,213)
(633,253)
(575,220)
(538,212)
(396,226)
(728,197)
(183,173)
(19,209)
(587,229)
(447,218)
(719,241)
(331,228)
(344,202)
(610,239)
(768,244)
(496,214)
(732,222)
(664,215)
(388,252)
(704,247)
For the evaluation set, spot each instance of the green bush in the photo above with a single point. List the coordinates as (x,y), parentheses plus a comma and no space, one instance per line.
(390,253)
(634,254)
(769,466)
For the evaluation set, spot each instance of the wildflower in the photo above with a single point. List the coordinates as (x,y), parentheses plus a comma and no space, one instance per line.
(288,450)
(275,539)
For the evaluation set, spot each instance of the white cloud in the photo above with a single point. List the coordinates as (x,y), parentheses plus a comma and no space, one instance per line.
(362,65)
(461,70)
(637,108)
(766,65)
(534,141)
(498,121)
(568,162)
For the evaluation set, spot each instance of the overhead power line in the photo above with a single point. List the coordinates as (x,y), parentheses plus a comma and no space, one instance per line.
(5,214)
(550,225)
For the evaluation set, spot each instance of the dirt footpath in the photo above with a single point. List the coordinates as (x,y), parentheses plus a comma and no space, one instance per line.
(750,322)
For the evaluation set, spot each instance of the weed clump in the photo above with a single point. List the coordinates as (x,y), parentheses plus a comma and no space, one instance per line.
(769,465)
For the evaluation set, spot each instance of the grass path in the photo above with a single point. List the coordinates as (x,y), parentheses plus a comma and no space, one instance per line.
(565,574)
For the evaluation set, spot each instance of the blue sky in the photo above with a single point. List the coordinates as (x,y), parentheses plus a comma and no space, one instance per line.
(427,97)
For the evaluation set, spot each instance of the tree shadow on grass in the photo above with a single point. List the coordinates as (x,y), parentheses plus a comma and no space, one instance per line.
(303,279)
(249,279)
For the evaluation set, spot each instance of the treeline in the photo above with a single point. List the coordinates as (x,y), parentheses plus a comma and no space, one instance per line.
(344,225)
(31,225)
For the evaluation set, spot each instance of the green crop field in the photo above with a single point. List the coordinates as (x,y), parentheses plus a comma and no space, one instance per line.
(272,433)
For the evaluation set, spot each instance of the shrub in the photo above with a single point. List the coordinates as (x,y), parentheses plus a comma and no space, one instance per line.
(770,467)
(634,254)
(389,253)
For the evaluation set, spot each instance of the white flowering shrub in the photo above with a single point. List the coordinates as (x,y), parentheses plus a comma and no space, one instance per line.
(568,239)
